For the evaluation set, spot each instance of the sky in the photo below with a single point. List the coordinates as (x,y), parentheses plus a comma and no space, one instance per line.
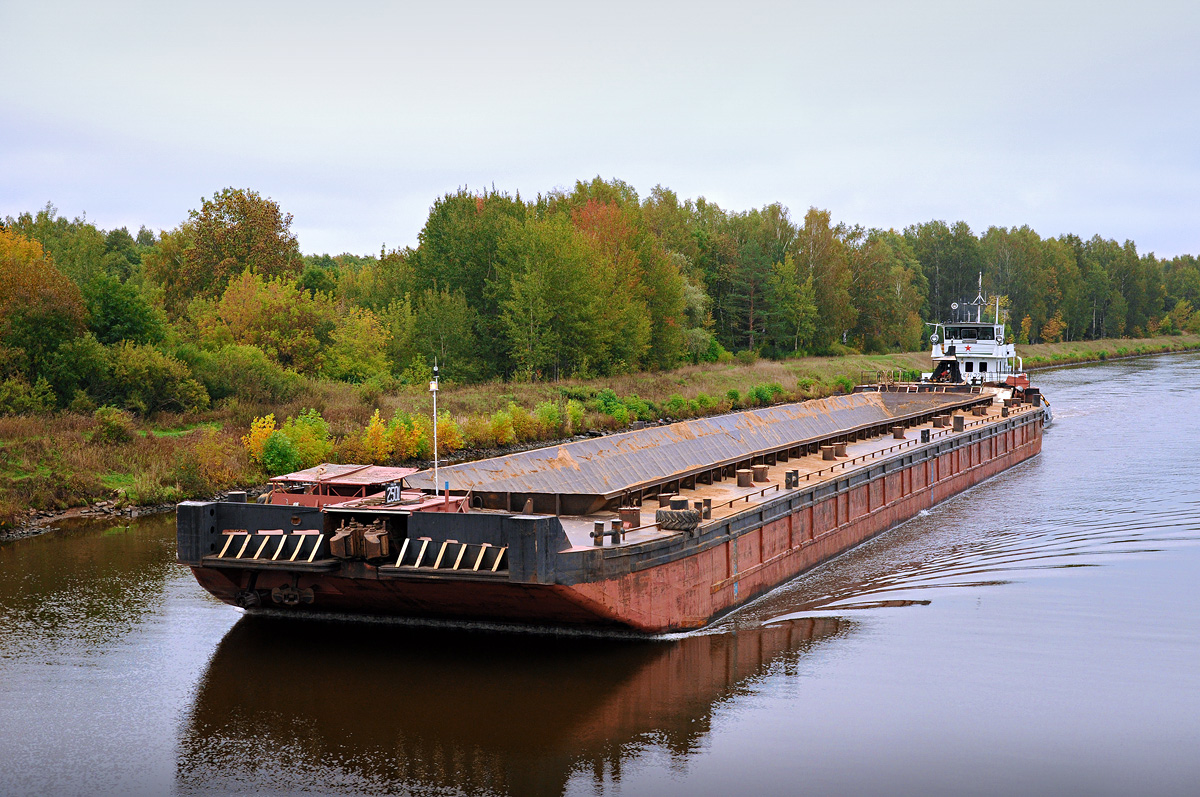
(356,116)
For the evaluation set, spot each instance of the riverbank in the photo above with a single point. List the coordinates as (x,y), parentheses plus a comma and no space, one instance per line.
(55,466)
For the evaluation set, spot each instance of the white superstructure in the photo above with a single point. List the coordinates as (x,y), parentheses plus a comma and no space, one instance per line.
(972,350)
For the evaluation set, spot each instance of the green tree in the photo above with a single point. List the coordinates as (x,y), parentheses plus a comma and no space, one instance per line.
(234,232)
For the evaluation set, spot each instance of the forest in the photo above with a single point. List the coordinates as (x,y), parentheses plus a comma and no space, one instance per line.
(591,282)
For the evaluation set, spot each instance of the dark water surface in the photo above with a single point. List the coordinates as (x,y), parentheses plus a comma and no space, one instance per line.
(1039,634)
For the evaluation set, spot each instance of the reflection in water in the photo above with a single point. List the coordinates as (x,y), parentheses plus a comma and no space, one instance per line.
(286,703)
(84,586)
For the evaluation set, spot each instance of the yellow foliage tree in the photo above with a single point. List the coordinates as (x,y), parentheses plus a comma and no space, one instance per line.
(1052,330)
(260,430)
(377,443)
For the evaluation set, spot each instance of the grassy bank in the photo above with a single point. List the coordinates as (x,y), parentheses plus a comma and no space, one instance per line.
(52,462)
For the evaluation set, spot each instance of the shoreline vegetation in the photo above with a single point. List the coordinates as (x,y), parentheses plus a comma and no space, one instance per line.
(144,368)
(111,463)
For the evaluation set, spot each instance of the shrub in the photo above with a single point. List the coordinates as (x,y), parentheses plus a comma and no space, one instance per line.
(621,415)
(734,397)
(211,464)
(705,401)
(577,393)
(254,441)
(607,401)
(639,409)
(747,357)
(408,435)
(18,397)
(804,384)
(449,434)
(574,416)
(309,434)
(549,419)
(114,427)
(525,428)
(477,432)
(245,372)
(279,455)
(676,406)
(844,384)
(147,380)
(503,431)
(376,442)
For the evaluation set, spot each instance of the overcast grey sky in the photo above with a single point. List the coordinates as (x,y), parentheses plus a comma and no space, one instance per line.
(1068,117)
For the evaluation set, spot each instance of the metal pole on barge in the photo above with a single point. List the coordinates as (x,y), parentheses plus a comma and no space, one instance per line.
(433,388)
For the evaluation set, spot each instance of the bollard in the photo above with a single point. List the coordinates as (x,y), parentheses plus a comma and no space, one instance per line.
(897,432)
(959,423)
(839,449)
(664,499)
(925,435)
(678,502)
(598,533)
(827,453)
(236,497)
(745,477)
(760,473)
(706,512)
(1004,412)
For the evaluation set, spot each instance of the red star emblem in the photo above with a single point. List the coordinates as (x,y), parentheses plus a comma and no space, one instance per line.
(968,348)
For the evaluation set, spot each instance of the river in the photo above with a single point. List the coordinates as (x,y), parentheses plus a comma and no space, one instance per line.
(1037,634)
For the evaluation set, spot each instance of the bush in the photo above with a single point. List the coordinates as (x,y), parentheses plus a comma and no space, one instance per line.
(309,434)
(145,380)
(409,436)
(705,402)
(503,431)
(676,406)
(844,384)
(734,397)
(607,401)
(477,432)
(574,416)
(449,434)
(254,441)
(243,371)
(640,409)
(279,455)
(376,442)
(114,427)
(621,415)
(578,394)
(206,467)
(525,428)
(549,419)
(747,357)
(18,397)
(804,384)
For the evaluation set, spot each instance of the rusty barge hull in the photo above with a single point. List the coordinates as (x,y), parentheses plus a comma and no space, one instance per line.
(666,582)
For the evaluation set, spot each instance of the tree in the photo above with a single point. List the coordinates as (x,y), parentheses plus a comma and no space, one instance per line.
(821,256)
(289,324)
(40,308)
(234,232)
(549,304)
(117,312)
(793,304)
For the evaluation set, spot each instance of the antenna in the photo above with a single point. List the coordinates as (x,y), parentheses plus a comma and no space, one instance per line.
(433,388)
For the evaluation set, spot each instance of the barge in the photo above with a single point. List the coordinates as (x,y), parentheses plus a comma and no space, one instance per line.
(653,530)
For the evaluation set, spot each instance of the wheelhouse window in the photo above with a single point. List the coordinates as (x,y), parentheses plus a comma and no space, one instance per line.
(983,366)
(968,366)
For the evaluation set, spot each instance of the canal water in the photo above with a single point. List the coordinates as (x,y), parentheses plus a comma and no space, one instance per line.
(1037,634)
